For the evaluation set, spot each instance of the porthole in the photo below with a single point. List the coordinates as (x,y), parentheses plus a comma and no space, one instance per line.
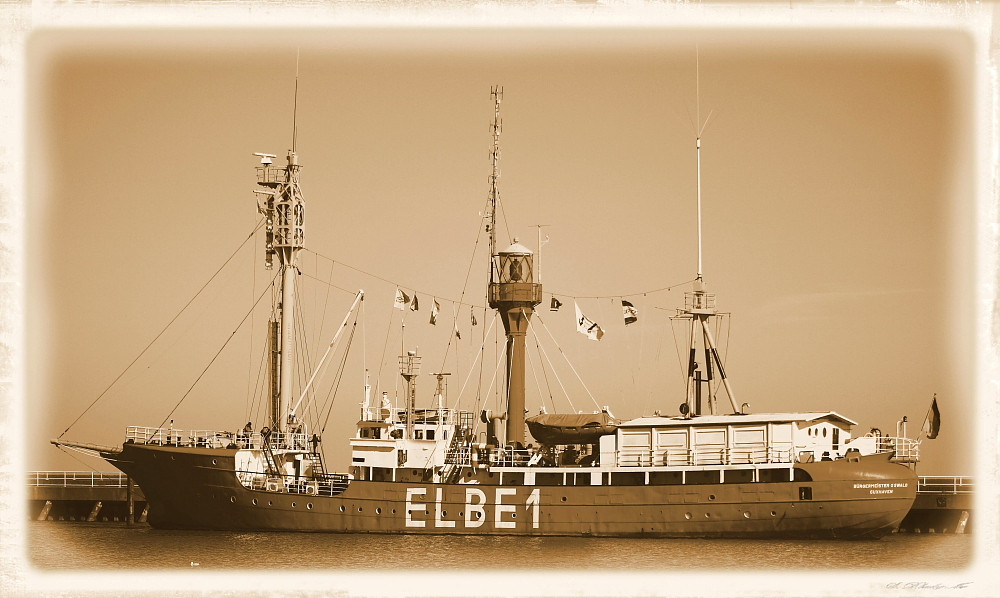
(461,513)
(293,505)
(341,508)
(427,512)
(687,515)
(746,514)
(253,501)
(708,515)
(394,511)
(513,515)
(232,499)
(378,510)
(444,513)
(214,462)
(173,458)
(269,503)
(309,506)
(711,497)
(564,499)
(774,514)
(360,509)
(824,432)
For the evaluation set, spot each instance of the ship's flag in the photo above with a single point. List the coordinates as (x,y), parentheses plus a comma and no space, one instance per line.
(555,304)
(587,327)
(414,306)
(932,423)
(401,299)
(434,312)
(472,312)
(630,313)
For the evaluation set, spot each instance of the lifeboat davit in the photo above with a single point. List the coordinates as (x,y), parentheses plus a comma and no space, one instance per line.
(571,428)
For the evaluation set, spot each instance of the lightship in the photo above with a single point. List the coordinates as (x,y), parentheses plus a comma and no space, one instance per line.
(432,470)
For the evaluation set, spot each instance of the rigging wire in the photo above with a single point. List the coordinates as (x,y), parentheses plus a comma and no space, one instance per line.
(566,357)
(332,395)
(534,375)
(258,389)
(66,449)
(253,289)
(381,362)
(472,367)
(159,334)
(214,357)
(554,373)
(548,386)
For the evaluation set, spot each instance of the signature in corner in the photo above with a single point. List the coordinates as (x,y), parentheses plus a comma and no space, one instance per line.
(920,585)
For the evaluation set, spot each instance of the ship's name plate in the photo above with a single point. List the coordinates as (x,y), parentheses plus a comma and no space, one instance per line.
(881,487)
(476,509)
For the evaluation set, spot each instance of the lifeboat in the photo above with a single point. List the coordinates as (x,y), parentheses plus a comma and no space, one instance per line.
(571,428)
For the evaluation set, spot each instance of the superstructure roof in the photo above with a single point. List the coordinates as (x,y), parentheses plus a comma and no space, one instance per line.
(725,420)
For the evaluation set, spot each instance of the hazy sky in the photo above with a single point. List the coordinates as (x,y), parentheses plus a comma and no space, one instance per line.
(837,180)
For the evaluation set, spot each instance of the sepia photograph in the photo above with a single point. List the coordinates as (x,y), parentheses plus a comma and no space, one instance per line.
(574,299)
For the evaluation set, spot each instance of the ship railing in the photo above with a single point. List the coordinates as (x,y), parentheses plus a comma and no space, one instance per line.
(905,450)
(214,438)
(508,457)
(945,485)
(704,455)
(750,454)
(459,456)
(173,437)
(443,415)
(695,300)
(77,479)
(330,484)
(271,175)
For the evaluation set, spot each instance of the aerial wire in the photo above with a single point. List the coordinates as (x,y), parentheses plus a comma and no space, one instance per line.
(159,334)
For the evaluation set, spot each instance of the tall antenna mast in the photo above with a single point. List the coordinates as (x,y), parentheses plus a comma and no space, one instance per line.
(697,88)
(538,252)
(496,92)
(700,129)
(295,104)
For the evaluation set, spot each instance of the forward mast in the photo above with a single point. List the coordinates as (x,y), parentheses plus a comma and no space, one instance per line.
(513,292)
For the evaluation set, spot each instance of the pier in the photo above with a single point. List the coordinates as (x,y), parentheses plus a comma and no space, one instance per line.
(84,496)
(943,505)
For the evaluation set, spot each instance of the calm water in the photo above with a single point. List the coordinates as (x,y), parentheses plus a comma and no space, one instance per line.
(90,546)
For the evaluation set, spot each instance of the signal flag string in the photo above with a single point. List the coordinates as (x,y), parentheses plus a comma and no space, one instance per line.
(461,301)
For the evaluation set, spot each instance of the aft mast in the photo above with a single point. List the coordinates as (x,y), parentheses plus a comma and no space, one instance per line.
(512,292)
(283,209)
(699,307)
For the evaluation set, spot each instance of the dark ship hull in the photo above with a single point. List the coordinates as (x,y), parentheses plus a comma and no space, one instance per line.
(197,488)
